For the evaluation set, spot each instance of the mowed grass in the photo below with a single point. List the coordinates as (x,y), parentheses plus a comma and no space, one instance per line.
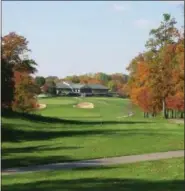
(99,133)
(104,107)
(163,175)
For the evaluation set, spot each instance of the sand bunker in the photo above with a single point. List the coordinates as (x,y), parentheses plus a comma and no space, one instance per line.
(85,105)
(41,106)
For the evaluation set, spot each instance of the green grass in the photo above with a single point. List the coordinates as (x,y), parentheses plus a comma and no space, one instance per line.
(163,175)
(104,107)
(58,101)
(100,134)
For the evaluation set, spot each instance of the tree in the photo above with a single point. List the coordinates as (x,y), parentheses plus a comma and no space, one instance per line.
(162,36)
(102,77)
(16,66)
(157,76)
(7,84)
(52,78)
(112,86)
(73,79)
(50,87)
(115,82)
(14,47)
(40,81)
(25,92)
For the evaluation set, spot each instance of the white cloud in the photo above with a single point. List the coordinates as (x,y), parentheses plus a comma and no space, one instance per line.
(142,23)
(119,7)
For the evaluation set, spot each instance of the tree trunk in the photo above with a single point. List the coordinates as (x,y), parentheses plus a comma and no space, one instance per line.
(167,113)
(172,113)
(146,115)
(181,114)
(164,108)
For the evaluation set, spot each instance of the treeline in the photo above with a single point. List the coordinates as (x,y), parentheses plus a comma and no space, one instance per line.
(17,84)
(115,82)
(156,82)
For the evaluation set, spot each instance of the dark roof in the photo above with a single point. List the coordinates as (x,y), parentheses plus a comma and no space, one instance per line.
(79,86)
(97,86)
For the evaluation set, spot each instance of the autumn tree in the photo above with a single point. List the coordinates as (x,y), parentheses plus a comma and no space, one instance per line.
(158,74)
(25,92)
(15,60)
(164,35)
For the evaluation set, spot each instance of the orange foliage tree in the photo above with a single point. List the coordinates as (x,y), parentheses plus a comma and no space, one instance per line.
(156,80)
(17,81)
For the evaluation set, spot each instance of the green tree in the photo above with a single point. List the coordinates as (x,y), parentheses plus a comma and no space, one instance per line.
(73,79)
(7,84)
(52,78)
(103,78)
(51,87)
(40,80)
(112,86)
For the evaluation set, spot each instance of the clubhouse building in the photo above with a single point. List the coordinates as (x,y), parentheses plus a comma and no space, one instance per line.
(67,88)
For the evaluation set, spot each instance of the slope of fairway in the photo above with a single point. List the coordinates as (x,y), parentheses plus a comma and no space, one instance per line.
(30,141)
(164,175)
(104,108)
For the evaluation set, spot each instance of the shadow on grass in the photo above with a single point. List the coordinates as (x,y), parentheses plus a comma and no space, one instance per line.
(39,118)
(11,133)
(31,161)
(8,151)
(97,184)
(20,132)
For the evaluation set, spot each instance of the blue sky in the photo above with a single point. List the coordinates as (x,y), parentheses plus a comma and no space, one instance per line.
(77,37)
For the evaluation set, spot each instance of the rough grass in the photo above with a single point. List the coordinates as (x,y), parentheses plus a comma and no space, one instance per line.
(96,133)
(163,175)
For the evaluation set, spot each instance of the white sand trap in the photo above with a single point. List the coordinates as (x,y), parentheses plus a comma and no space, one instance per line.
(85,105)
(41,106)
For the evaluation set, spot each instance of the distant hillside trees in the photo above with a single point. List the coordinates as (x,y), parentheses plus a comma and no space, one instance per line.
(115,82)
